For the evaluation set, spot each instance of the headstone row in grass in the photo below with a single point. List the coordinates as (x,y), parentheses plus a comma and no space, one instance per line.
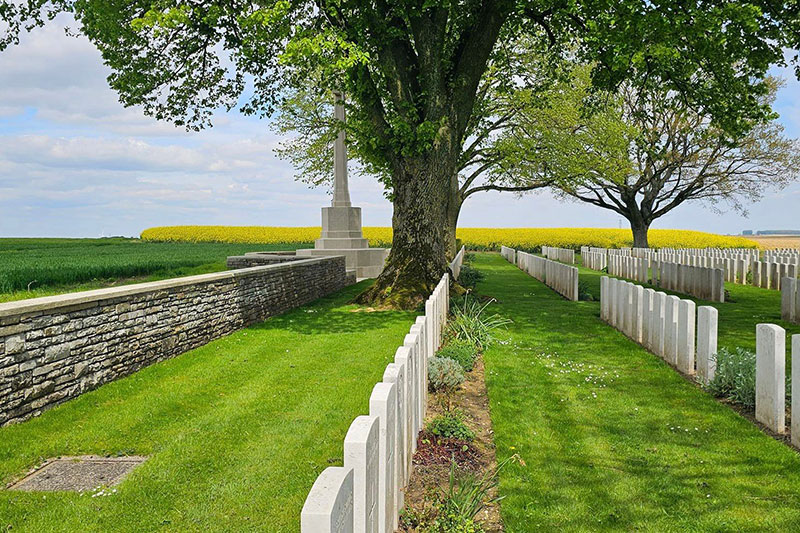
(768,274)
(560,277)
(735,263)
(509,254)
(366,494)
(790,300)
(565,255)
(667,326)
(594,260)
(771,380)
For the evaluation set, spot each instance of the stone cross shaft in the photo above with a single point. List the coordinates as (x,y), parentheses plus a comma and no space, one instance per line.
(341,191)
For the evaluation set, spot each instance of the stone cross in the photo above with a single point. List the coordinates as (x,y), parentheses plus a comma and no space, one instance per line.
(341,190)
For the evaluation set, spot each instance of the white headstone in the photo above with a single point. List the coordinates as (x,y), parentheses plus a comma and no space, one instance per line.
(647,318)
(671,329)
(403,357)
(395,373)
(771,376)
(686,336)
(796,390)
(638,312)
(383,404)
(361,454)
(707,318)
(329,504)
(657,323)
(788,296)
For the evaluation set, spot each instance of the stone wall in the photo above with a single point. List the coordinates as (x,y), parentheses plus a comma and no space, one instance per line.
(252,259)
(57,347)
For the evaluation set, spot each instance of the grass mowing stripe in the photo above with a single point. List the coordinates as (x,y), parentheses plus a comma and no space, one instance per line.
(614,439)
(237,430)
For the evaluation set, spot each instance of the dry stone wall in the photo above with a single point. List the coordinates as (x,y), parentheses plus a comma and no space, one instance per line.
(55,348)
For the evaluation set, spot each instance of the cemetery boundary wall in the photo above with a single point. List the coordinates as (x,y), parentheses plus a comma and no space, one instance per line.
(55,348)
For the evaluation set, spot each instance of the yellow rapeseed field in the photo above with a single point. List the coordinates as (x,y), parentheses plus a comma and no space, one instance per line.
(473,238)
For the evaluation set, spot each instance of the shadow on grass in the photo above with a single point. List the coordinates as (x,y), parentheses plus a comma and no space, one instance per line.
(328,315)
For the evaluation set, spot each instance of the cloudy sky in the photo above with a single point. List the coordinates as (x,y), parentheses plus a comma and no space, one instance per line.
(75,163)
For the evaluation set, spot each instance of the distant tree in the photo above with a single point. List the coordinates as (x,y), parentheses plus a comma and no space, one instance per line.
(413,71)
(643,152)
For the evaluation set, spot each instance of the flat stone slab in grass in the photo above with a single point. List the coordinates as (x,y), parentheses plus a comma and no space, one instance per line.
(80,474)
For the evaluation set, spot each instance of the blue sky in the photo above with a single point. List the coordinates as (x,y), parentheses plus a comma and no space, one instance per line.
(76,163)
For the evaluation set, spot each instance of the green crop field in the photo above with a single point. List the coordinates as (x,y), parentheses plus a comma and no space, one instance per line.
(40,267)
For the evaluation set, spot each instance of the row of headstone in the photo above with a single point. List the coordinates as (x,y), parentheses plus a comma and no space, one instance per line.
(700,282)
(768,274)
(560,277)
(771,380)
(455,264)
(735,263)
(782,255)
(565,255)
(667,326)
(594,260)
(625,266)
(790,300)
(691,255)
(510,254)
(366,494)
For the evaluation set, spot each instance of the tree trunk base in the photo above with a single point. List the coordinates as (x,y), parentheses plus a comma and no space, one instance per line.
(403,294)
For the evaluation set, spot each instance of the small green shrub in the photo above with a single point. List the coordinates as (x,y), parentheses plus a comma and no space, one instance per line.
(451,426)
(735,376)
(469,277)
(444,374)
(465,353)
(583,292)
(449,521)
(469,323)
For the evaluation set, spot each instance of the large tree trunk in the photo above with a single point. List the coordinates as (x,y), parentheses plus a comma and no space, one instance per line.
(420,234)
(454,203)
(639,228)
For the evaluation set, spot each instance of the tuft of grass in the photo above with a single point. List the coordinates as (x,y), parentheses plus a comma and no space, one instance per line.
(451,425)
(463,352)
(471,324)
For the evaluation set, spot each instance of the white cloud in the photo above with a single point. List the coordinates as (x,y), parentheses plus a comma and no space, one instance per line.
(74,162)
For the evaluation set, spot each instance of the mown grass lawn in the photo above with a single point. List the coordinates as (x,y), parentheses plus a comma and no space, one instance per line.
(237,431)
(613,438)
(31,268)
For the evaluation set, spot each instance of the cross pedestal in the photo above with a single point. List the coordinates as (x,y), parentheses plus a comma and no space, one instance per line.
(341,222)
